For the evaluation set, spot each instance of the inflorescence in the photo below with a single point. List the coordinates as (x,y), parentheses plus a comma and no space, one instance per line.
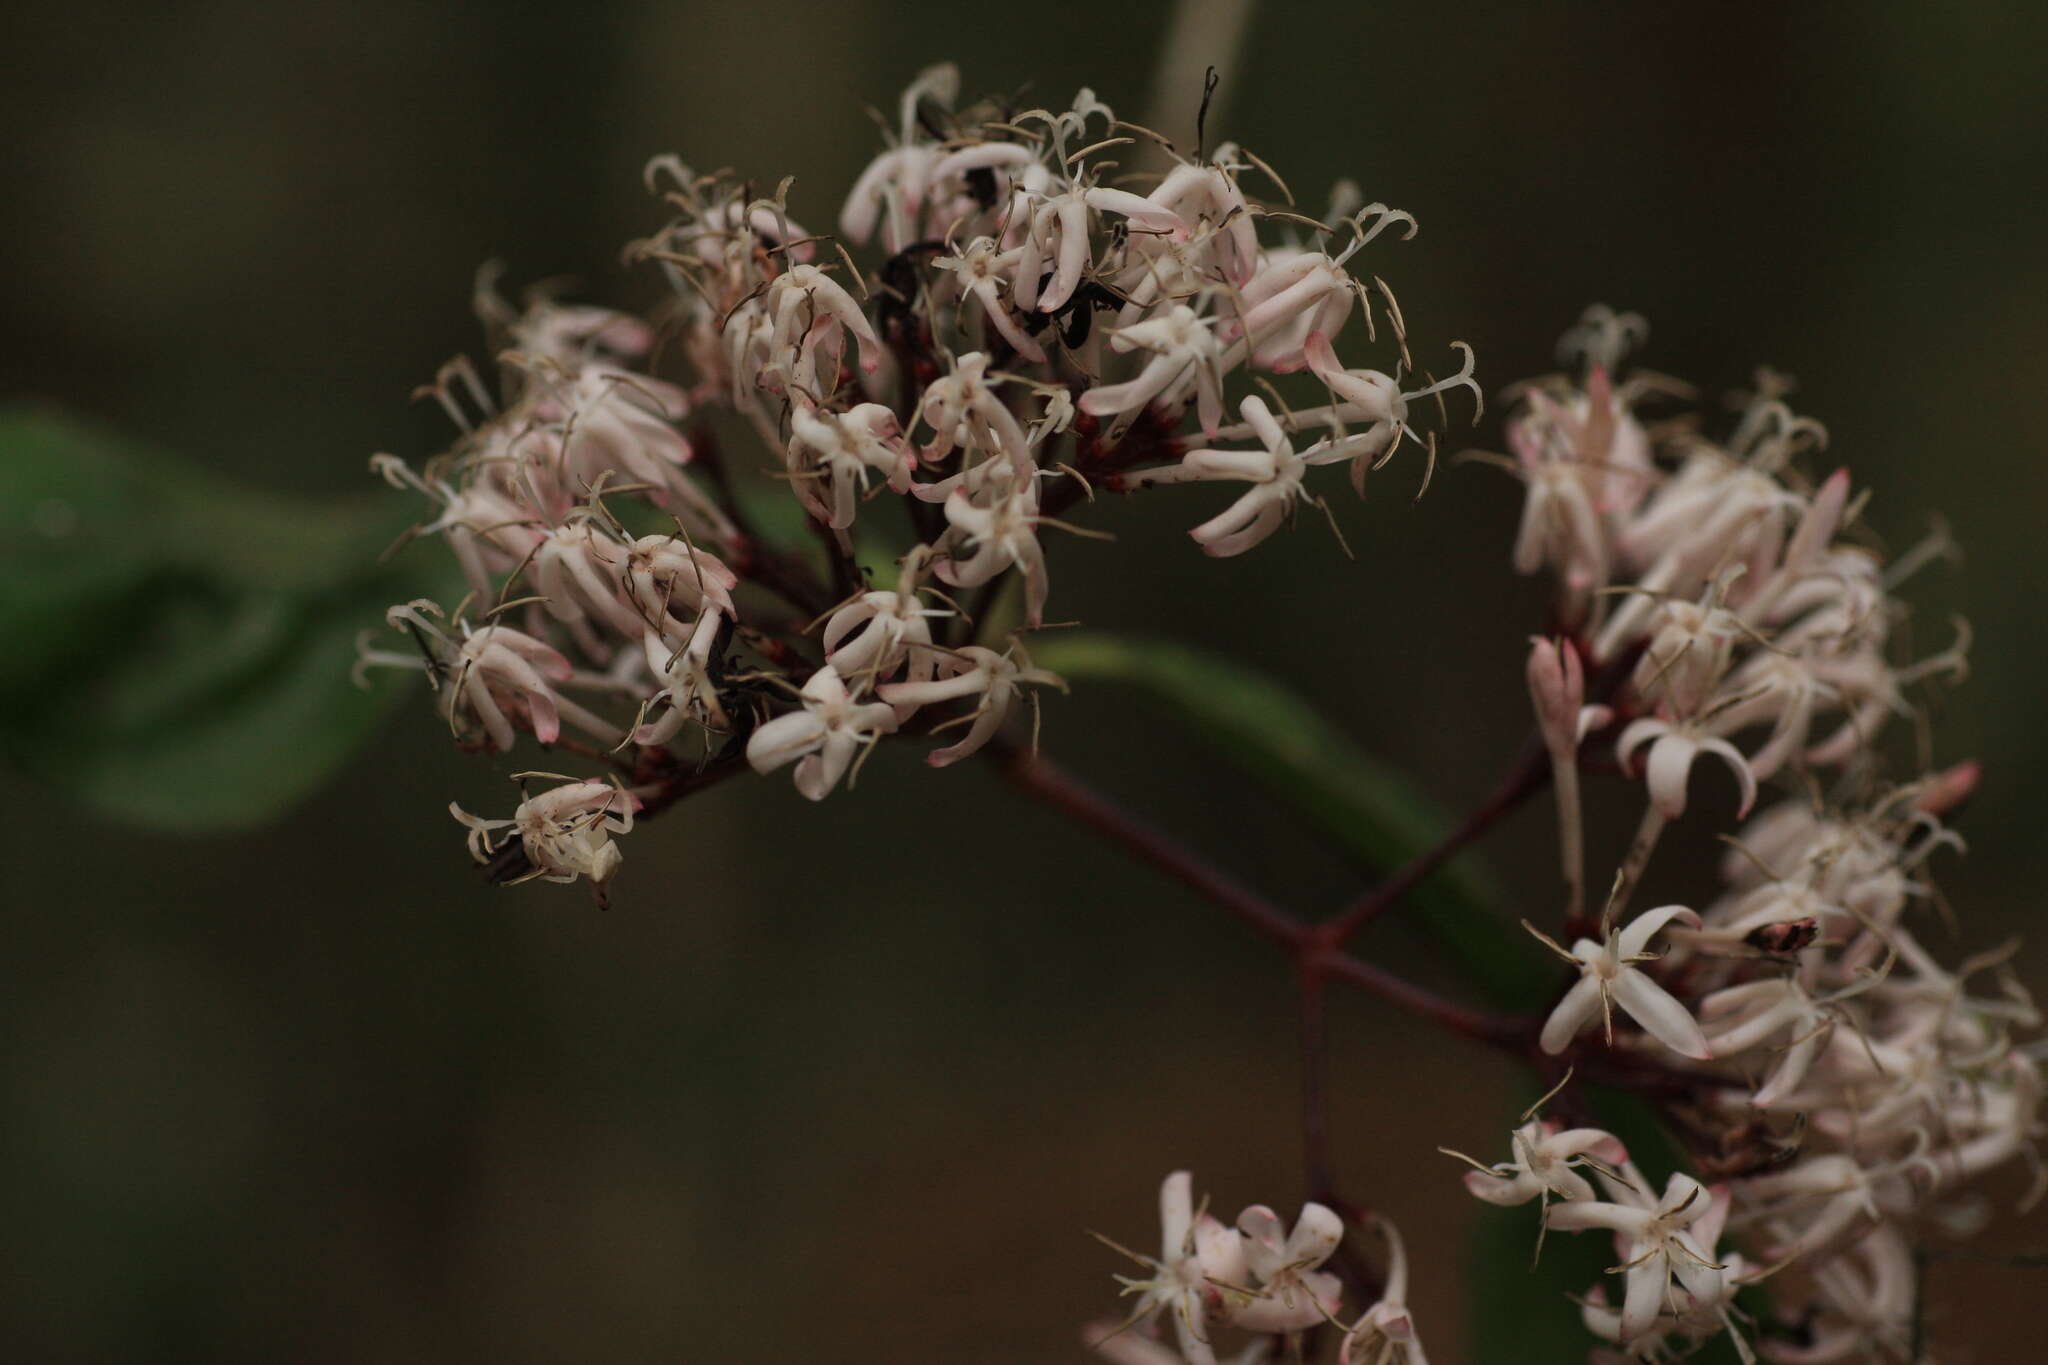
(1035,327)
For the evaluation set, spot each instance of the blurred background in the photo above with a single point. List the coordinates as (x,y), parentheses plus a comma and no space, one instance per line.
(852,1082)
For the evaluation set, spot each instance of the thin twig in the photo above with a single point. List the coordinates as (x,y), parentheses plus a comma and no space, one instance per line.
(1043,778)
(1527,777)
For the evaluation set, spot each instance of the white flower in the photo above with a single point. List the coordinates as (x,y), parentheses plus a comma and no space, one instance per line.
(1609,976)
(1667,1268)
(684,675)
(565,832)
(876,633)
(1544,1164)
(1750,1015)
(848,447)
(1274,472)
(1198,1256)
(1185,355)
(1678,744)
(963,410)
(972,671)
(983,270)
(1375,398)
(822,738)
(1001,533)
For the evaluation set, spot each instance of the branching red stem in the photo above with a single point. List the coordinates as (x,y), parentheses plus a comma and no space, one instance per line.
(1529,775)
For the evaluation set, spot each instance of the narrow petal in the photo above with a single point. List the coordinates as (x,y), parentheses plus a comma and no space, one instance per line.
(1579,1005)
(1176,1213)
(1669,766)
(1660,1014)
(1644,927)
(1644,1298)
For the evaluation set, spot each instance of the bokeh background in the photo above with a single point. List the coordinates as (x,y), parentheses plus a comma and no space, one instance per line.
(849,1083)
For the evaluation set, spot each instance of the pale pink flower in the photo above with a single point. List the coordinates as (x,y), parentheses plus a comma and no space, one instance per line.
(664,572)
(483,674)
(1557,687)
(565,832)
(1299,294)
(612,421)
(1055,227)
(964,410)
(1206,194)
(848,448)
(1866,1301)
(1377,399)
(1689,650)
(1748,1016)
(894,186)
(579,569)
(1294,1293)
(879,632)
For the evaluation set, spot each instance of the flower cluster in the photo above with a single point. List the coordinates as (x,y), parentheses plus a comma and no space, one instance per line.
(1005,324)
(1036,328)
(1257,1279)
(1838,1078)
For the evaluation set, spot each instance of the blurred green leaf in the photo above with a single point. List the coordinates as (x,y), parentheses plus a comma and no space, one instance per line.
(1367,807)
(1522,1311)
(179,645)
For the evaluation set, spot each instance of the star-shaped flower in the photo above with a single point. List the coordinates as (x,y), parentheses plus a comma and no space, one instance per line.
(1609,976)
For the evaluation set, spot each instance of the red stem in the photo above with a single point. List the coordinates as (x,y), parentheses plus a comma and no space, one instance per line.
(1043,778)
(1528,776)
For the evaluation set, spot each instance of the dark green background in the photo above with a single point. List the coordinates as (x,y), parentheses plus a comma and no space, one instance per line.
(850,1083)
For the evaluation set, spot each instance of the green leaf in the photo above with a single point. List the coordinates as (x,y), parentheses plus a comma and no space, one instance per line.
(1367,807)
(179,645)
(1522,1312)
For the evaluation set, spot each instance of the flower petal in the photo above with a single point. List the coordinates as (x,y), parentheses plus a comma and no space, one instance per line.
(1660,1014)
